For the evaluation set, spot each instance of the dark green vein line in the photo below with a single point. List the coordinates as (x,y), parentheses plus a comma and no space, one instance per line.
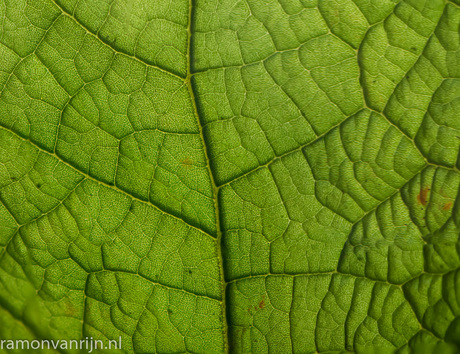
(215,190)
(87,176)
(102,40)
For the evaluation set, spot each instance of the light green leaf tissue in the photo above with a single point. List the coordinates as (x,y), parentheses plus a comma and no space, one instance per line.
(230,176)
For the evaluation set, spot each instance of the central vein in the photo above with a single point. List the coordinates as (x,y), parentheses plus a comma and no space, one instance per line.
(215,189)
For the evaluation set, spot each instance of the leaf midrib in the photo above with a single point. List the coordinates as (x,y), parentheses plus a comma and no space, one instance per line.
(215,188)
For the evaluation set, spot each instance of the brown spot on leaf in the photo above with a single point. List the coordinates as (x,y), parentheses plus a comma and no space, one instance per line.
(447,206)
(262,303)
(423,196)
(187,163)
(70,309)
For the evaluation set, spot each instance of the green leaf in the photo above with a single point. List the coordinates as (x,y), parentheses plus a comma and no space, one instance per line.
(213,176)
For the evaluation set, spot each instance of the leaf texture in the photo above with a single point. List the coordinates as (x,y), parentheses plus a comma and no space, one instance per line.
(214,176)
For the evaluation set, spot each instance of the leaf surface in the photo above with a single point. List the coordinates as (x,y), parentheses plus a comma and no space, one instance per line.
(231,176)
